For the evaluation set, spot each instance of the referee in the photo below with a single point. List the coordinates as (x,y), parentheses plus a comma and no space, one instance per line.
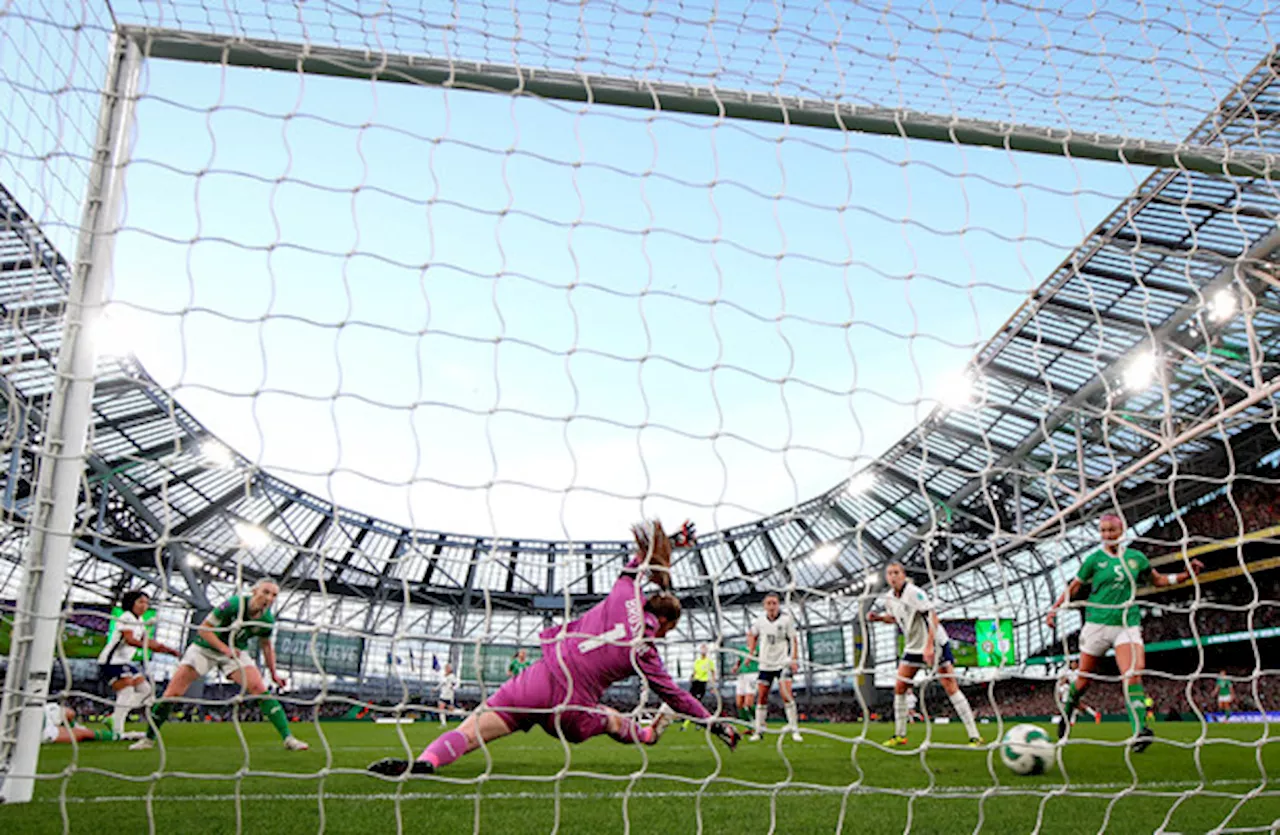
(704,673)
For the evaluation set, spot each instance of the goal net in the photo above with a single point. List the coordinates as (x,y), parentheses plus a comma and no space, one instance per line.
(343,344)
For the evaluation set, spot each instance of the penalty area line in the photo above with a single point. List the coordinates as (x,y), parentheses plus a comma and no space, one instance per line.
(470,797)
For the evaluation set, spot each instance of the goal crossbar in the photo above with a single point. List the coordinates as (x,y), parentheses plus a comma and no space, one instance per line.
(703,100)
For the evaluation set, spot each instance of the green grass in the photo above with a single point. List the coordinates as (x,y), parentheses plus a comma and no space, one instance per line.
(799,787)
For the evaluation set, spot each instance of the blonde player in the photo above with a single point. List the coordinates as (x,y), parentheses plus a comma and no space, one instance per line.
(773,641)
(926,645)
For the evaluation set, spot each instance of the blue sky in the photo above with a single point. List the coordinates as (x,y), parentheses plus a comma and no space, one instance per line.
(501,316)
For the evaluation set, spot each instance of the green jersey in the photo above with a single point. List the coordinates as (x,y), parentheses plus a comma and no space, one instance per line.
(748,664)
(517,666)
(231,623)
(1113,582)
(1224,688)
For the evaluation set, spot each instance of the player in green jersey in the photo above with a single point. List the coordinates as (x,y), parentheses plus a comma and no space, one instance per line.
(747,668)
(518,663)
(221,645)
(1226,697)
(1113,574)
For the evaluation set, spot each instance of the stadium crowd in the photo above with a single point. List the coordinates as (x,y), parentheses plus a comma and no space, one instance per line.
(1256,497)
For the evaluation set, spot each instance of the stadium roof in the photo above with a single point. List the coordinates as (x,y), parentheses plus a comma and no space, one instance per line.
(1163,324)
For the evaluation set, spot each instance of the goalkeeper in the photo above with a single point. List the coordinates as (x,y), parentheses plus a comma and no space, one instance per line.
(561,690)
(1112,619)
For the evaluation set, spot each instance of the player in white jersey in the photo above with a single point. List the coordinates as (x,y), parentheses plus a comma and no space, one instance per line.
(913,707)
(1063,691)
(445,702)
(60,726)
(926,645)
(774,642)
(116,665)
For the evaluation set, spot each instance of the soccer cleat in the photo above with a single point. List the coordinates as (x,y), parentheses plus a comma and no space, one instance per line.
(795,736)
(896,742)
(144,744)
(132,736)
(754,737)
(391,767)
(976,742)
(662,721)
(292,743)
(1146,736)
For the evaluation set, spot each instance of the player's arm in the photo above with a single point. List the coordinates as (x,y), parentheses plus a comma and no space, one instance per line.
(148,643)
(1072,589)
(208,630)
(752,640)
(795,648)
(1161,580)
(653,554)
(269,659)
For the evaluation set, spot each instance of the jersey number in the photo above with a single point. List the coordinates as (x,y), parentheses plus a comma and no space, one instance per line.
(614,636)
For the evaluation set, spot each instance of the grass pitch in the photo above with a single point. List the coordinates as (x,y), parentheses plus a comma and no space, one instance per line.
(213,780)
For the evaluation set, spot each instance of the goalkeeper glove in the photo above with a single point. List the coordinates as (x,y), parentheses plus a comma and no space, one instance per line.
(727,733)
(686,536)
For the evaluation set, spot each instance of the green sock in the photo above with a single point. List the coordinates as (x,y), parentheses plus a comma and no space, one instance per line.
(159,715)
(274,712)
(1073,698)
(104,735)
(1137,707)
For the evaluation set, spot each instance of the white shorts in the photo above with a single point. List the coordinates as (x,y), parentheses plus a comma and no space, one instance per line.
(54,717)
(1097,638)
(205,660)
(747,684)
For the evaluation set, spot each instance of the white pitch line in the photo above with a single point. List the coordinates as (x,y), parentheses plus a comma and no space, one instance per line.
(709,794)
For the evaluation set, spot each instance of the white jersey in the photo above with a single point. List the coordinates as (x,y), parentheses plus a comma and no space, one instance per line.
(773,641)
(1064,687)
(912,701)
(54,716)
(913,610)
(118,650)
(447,685)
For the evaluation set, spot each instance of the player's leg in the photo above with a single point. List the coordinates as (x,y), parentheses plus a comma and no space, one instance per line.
(947,677)
(1131,659)
(447,748)
(440,712)
(789,707)
(906,673)
(186,675)
(248,676)
(763,685)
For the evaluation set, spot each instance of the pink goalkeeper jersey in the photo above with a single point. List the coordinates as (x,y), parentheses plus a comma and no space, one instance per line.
(609,643)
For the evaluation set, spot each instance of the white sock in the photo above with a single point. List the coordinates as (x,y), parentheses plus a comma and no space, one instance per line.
(961,704)
(126,700)
(141,692)
(443,722)
(793,721)
(762,714)
(899,714)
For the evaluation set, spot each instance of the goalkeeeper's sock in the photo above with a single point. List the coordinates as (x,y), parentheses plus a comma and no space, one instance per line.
(445,749)
(899,714)
(762,716)
(1137,705)
(965,712)
(793,722)
(275,714)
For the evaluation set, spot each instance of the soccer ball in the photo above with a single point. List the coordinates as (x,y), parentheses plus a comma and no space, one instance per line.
(1026,749)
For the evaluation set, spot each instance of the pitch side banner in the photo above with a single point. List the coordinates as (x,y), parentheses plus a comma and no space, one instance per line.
(826,647)
(338,655)
(1245,717)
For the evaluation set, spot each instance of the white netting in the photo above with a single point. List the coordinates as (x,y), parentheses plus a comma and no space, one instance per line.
(421,353)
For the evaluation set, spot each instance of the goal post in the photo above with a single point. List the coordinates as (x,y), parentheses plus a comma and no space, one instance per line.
(756,106)
(39,613)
